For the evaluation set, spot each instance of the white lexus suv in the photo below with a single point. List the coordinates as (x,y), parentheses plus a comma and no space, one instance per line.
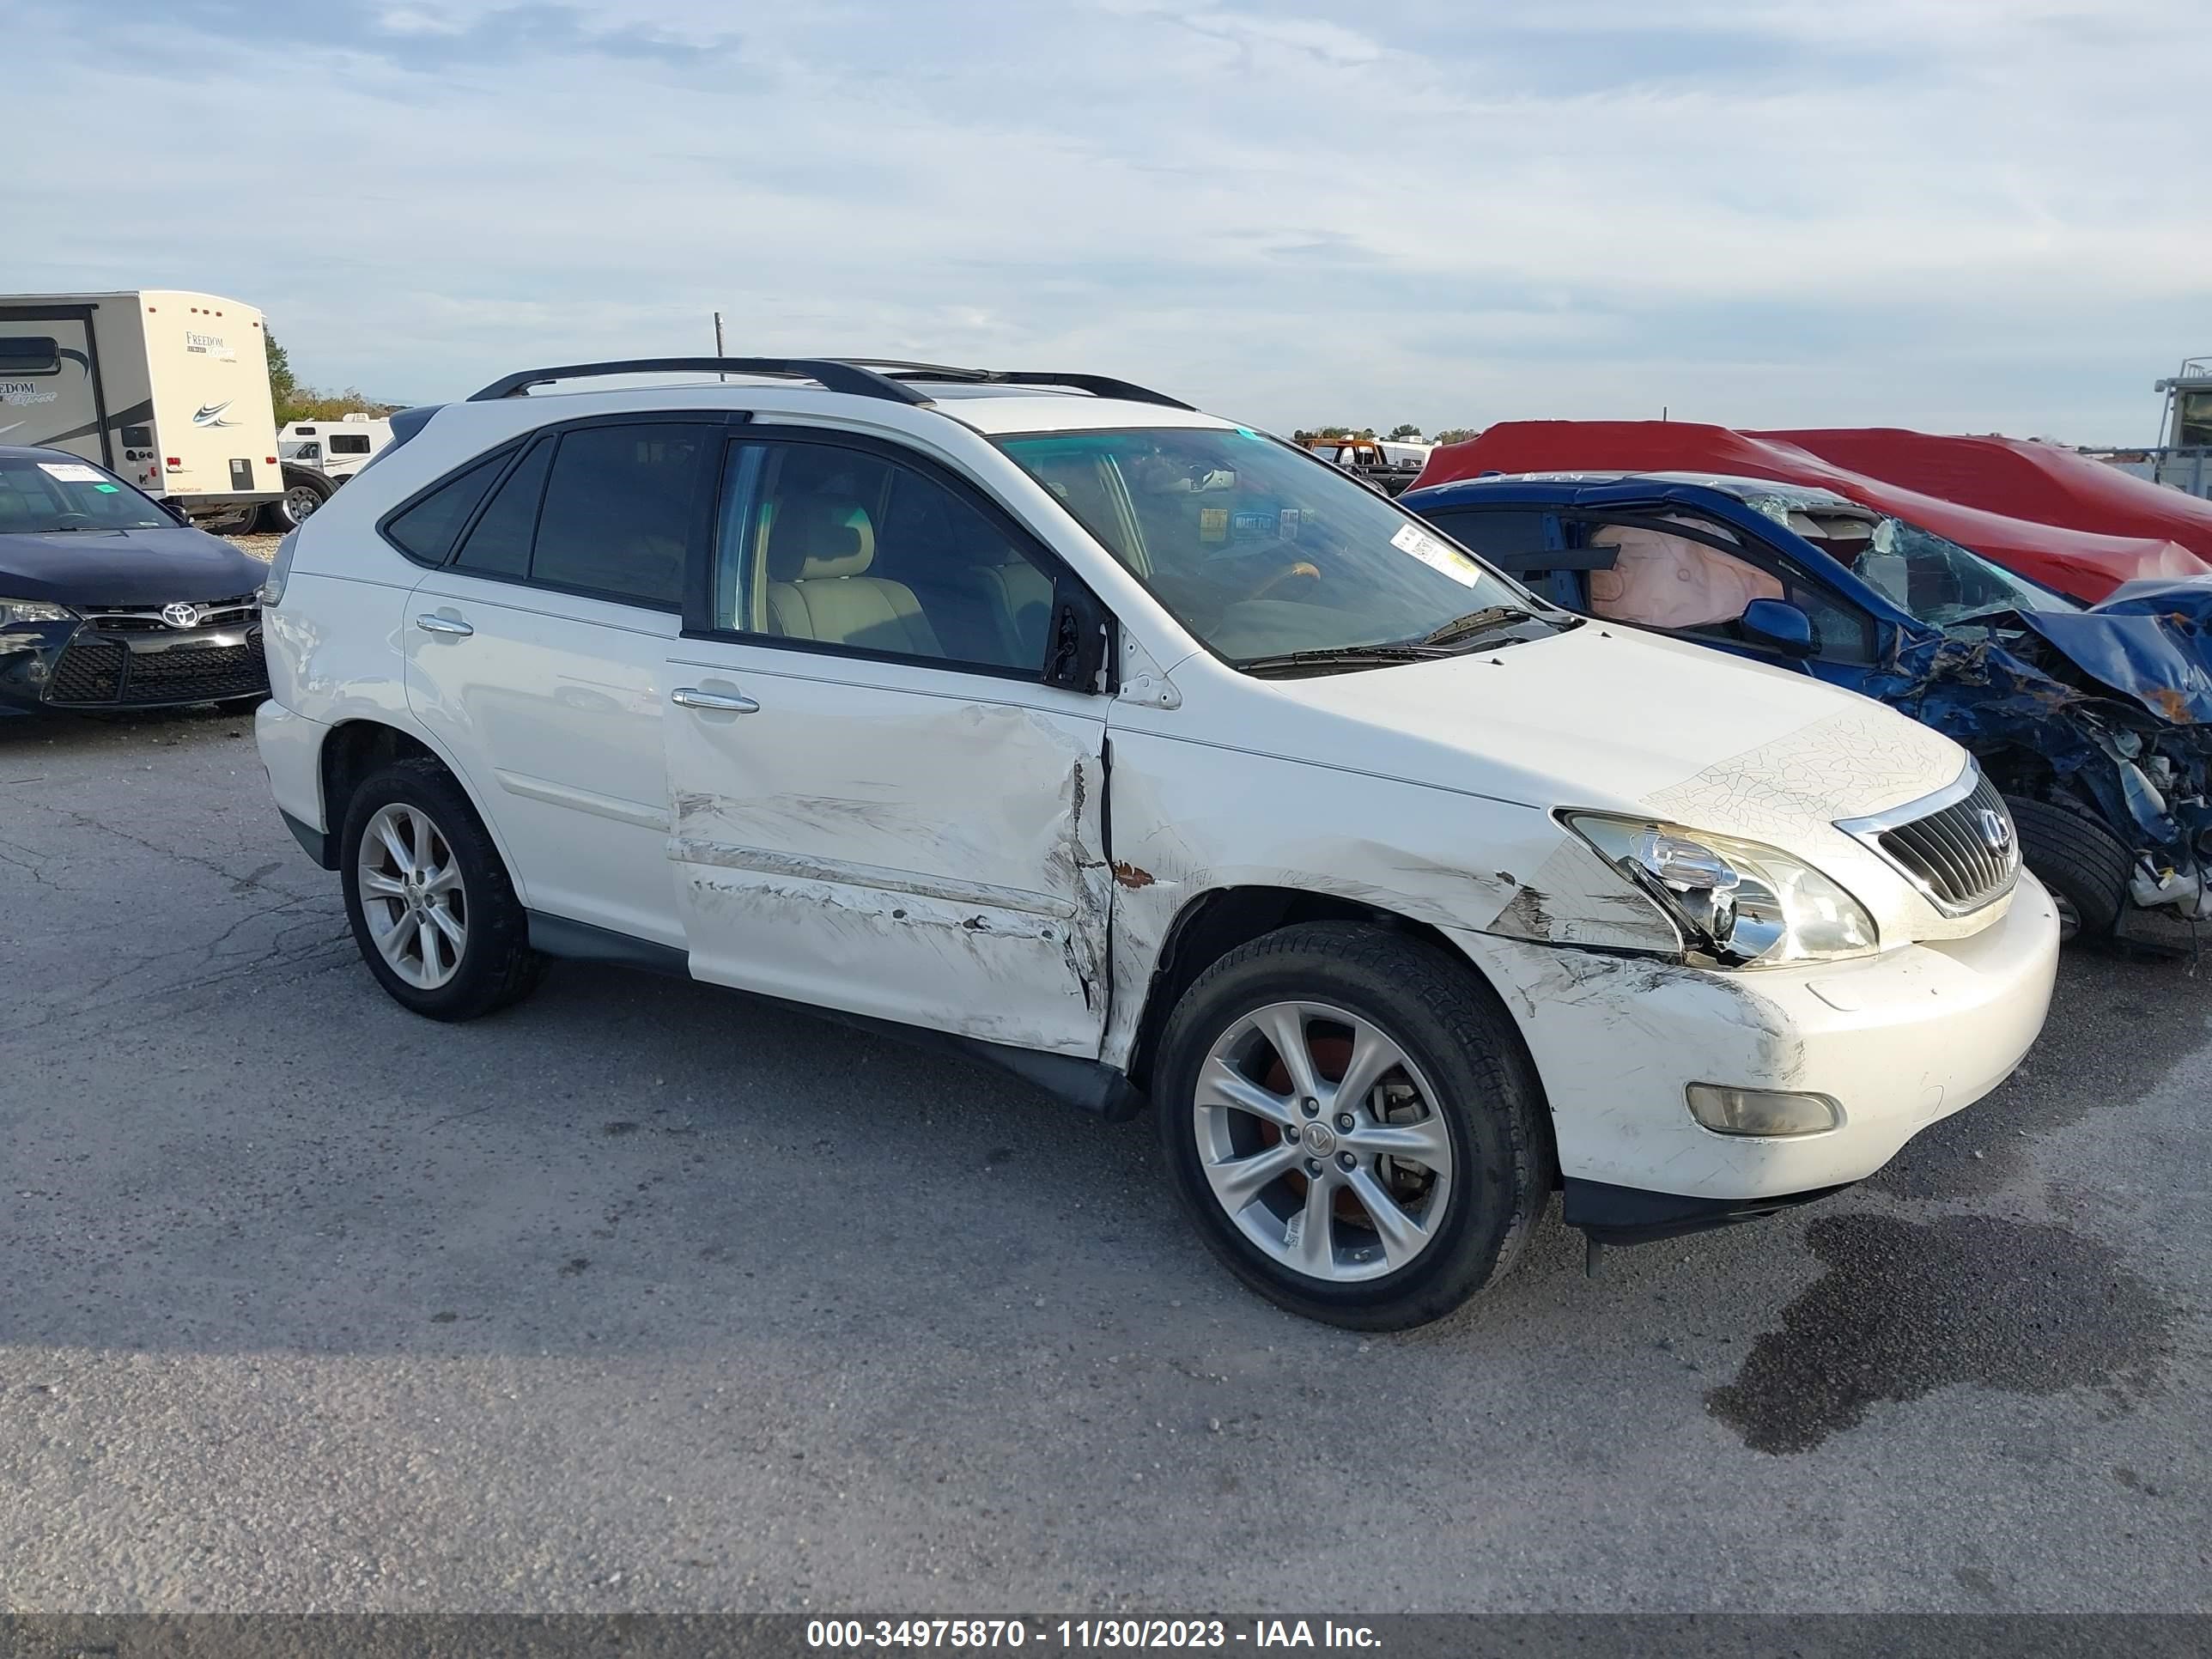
(1161,763)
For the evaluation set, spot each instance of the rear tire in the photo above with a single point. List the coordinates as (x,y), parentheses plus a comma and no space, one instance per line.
(1404,1236)
(301,500)
(2083,864)
(475,957)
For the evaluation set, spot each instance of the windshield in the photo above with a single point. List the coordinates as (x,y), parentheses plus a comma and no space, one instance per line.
(40,495)
(1261,551)
(1935,581)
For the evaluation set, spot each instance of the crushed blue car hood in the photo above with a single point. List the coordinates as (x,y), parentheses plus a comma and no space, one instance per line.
(2118,699)
(2151,641)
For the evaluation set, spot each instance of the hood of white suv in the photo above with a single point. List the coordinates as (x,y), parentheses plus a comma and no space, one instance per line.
(1615,719)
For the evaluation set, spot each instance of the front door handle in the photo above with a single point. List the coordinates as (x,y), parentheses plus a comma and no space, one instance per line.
(432,623)
(721,702)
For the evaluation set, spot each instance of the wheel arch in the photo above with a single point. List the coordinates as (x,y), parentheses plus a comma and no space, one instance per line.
(1214,923)
(353,749)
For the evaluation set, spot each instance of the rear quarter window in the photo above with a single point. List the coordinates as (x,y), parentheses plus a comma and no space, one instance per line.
(426,529)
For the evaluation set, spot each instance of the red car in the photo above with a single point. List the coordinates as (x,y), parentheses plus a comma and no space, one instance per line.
(2081,564)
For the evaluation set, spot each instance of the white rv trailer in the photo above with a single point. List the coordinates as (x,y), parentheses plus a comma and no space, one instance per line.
(168,389)
(340,447)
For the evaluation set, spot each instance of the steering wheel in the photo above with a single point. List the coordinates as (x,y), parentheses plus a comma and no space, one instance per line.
(1297,570)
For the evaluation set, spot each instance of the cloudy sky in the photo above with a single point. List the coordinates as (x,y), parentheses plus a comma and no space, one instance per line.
(1963,214)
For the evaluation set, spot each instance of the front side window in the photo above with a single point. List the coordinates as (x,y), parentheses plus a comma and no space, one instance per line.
(1264,552)
(1688,574)
(51,494)
(851,548)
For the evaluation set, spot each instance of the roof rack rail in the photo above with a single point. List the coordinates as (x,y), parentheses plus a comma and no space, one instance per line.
(833,374)
(1098,386)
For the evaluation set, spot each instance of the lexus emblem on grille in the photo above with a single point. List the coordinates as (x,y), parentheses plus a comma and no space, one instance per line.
(181,616)
(1996,831)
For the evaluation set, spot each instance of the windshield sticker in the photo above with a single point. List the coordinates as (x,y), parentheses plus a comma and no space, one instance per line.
(1437,555)
(108,489)
(1246,526)
(1286,526)
(1212,524)
(72,472)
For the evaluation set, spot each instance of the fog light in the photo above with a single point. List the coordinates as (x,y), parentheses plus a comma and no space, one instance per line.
(1761,1111)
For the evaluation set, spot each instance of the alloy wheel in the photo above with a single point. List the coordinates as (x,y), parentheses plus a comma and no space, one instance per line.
(412,895)
(1323,1141)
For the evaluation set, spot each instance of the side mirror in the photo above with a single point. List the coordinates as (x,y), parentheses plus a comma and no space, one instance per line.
(1780,626)
(1076,655)
(169,506)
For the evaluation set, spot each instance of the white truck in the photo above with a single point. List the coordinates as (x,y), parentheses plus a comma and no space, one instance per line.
(168,388)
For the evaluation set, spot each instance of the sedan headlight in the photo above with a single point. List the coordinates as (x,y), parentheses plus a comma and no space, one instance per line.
(13,611)
(1741,903)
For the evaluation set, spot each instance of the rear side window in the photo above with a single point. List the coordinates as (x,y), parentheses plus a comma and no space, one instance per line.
(30,354)
(498,545)
(348,443)
(618,511)
(427,530)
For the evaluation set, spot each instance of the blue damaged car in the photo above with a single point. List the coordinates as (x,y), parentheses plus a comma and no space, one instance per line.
(2095,724)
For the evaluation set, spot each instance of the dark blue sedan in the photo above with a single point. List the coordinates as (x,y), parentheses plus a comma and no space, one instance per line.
(108,601)
(2096,724)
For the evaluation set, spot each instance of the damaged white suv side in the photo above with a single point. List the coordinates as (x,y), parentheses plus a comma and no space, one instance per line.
(1157,761)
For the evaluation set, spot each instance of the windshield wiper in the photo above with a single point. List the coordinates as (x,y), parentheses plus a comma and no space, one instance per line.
(1477,621)
(1347,656)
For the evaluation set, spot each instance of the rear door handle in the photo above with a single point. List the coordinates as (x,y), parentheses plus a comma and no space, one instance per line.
(721,702)
(431,623)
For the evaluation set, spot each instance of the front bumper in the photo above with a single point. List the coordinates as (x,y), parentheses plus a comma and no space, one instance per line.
(86,666)
(1898,1040)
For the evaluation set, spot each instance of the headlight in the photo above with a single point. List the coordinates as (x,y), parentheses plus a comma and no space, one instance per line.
(1741,903)
(13,611)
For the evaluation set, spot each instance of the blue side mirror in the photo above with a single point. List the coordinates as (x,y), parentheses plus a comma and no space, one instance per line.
(1780,626)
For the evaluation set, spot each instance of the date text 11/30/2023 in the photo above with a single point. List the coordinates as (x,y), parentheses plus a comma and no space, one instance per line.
(1086,1635)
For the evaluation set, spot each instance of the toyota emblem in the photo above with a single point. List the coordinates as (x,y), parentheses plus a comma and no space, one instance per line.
(181,616)
(1996,831)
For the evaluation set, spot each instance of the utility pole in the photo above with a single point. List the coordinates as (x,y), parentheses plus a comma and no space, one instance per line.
(718,341)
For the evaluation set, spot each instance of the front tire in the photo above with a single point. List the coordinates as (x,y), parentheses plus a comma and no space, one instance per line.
(1388,1171)
(434,912)
(2083,864)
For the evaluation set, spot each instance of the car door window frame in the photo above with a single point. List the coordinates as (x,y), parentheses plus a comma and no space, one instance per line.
(702,520)
(1748,546)
(699,614)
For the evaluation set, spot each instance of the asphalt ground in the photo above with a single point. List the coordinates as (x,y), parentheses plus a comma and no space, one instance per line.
(643,1295)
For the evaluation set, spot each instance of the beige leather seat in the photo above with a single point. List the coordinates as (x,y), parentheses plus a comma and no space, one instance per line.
(819,548)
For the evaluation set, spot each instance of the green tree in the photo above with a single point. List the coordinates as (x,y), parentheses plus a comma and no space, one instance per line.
(284,387)
(1457,435)
(1397,432)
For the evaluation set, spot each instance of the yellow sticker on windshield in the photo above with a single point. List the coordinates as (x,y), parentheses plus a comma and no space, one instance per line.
(1213,524)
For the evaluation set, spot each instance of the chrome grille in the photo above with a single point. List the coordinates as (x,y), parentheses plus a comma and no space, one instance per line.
(1961,855)
(144,619)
